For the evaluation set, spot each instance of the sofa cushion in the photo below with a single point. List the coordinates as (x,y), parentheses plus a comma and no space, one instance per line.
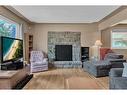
(102,66)
(120,82)
(124,70)
(99,62)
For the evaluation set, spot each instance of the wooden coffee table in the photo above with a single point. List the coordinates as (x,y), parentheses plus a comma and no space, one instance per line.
(82,83)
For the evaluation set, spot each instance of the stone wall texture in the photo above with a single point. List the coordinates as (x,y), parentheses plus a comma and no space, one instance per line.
(64,38)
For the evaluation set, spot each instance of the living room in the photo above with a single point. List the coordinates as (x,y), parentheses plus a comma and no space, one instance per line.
(59,34)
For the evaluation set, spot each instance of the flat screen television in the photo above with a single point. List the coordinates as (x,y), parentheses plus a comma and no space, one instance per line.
(11,49)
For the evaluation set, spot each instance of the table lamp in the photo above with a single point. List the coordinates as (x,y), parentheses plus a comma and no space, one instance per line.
(96,50)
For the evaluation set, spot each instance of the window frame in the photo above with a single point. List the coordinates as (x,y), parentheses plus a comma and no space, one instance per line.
(18,26)
(112,43)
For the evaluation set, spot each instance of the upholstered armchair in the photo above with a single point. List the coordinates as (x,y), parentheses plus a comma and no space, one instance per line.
(38,61)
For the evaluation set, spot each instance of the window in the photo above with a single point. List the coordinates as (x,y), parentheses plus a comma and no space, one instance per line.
(119,38)
(9,28)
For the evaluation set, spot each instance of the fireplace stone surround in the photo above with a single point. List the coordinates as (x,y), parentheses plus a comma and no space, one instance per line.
(65,38)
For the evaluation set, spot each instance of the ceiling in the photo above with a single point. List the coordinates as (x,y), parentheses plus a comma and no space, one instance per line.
(65,14)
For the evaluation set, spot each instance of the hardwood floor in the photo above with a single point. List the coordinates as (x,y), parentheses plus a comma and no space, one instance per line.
(56,79)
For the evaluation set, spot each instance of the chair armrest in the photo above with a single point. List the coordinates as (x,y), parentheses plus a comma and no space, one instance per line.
(116,72)
(45,60)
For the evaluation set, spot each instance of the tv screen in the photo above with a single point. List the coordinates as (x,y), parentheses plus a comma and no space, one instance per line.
(12,49)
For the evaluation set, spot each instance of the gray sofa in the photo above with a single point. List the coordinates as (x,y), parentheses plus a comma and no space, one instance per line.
(116,81)
(102,67)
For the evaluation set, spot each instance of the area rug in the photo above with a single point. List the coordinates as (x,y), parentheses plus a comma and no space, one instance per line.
(23,82)
(82,83)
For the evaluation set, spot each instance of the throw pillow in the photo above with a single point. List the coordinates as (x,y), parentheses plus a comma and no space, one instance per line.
(103,52)
(124,70)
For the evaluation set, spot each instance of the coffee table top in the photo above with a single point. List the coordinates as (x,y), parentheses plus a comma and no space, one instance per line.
(11,73)
(7,74)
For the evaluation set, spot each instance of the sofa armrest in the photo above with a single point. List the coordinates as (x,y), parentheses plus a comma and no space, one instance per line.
(117,63)
(117,60)
(116,72)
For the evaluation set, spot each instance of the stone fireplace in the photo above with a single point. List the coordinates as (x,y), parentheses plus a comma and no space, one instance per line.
(64,49)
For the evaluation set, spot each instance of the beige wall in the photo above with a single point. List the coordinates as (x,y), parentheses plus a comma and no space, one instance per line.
(89,33)
(106,39)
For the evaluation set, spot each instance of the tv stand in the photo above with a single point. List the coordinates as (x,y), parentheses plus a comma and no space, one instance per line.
(15,65)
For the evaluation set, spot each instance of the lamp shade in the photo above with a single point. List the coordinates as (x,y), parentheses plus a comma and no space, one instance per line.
(98,43)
